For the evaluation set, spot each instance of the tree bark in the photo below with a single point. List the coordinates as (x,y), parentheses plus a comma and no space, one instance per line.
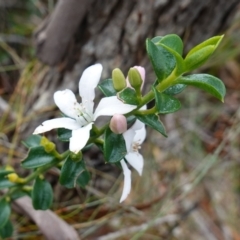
(113,32)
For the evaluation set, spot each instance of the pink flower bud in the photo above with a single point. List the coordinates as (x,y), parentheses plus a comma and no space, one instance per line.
(118,124)
(141,70)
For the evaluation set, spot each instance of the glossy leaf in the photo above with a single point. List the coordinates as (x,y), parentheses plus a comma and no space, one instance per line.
(166,103)
(200,53)
(153,121)
(198,58)
(156,39)
(42,194)
(174,42)
(128,96)
(214,41)
(107,88)
(4,172)
(206,82)
(70,171)
(37,157)
(5,183)
(175,89)
(5,211)
(64,134)
(7,230)
(84,178)
(20,193)
(114,147)
(32,141)
(162,60)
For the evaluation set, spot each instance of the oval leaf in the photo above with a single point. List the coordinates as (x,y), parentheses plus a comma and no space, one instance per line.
(162,60)
(107,88)
(214,41)
(42,194)
(165,103)
(206,82)
(128,96)
(70,172)
(5,183)
(175,89)
(64,134)
(5,211)
(7,230)
(174,42)
(37,157)
(32,141)
(198,58)
(153,121)
(84,178)
(114,147)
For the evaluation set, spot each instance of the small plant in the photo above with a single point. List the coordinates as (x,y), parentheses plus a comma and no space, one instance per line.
(121,137)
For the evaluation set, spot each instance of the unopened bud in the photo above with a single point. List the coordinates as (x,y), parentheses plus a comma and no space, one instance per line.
(76,157)
(134,78)
(14,178)
(48,145)
(118,124)
(119,82)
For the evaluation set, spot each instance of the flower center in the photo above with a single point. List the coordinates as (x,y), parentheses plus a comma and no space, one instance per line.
(136,146)
(83,115)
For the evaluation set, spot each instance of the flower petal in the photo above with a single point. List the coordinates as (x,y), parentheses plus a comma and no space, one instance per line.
(66,102)
(128,137)
(140,135)
(135,159)
(79,138)
(127,181)
(137,125)
(87,84)
(48,125)
(109,106)
(141,70)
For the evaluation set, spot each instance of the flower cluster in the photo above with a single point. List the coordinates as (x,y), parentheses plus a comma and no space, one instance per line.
(80,117)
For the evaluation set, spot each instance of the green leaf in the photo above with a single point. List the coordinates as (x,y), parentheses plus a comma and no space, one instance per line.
(180,64)
(7,230)
(162,60)
(42,194)
(5,183)
(214,41)
(4,172)
(166,103)
(175,89)
(128,96)
(32,141)
(153,121)
(64,134)
(70,172)
(19,193)
(174,42)
(114,148)
(84,178)
(37,157)
(198,58)
(5,211)
(107,88)
(206,82)
(200,54)
(156,39)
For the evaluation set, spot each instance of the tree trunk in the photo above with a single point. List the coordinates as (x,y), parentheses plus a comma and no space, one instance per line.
(113,32)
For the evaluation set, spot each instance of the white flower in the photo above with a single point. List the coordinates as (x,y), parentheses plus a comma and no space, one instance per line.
(134,137)
(80,116)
